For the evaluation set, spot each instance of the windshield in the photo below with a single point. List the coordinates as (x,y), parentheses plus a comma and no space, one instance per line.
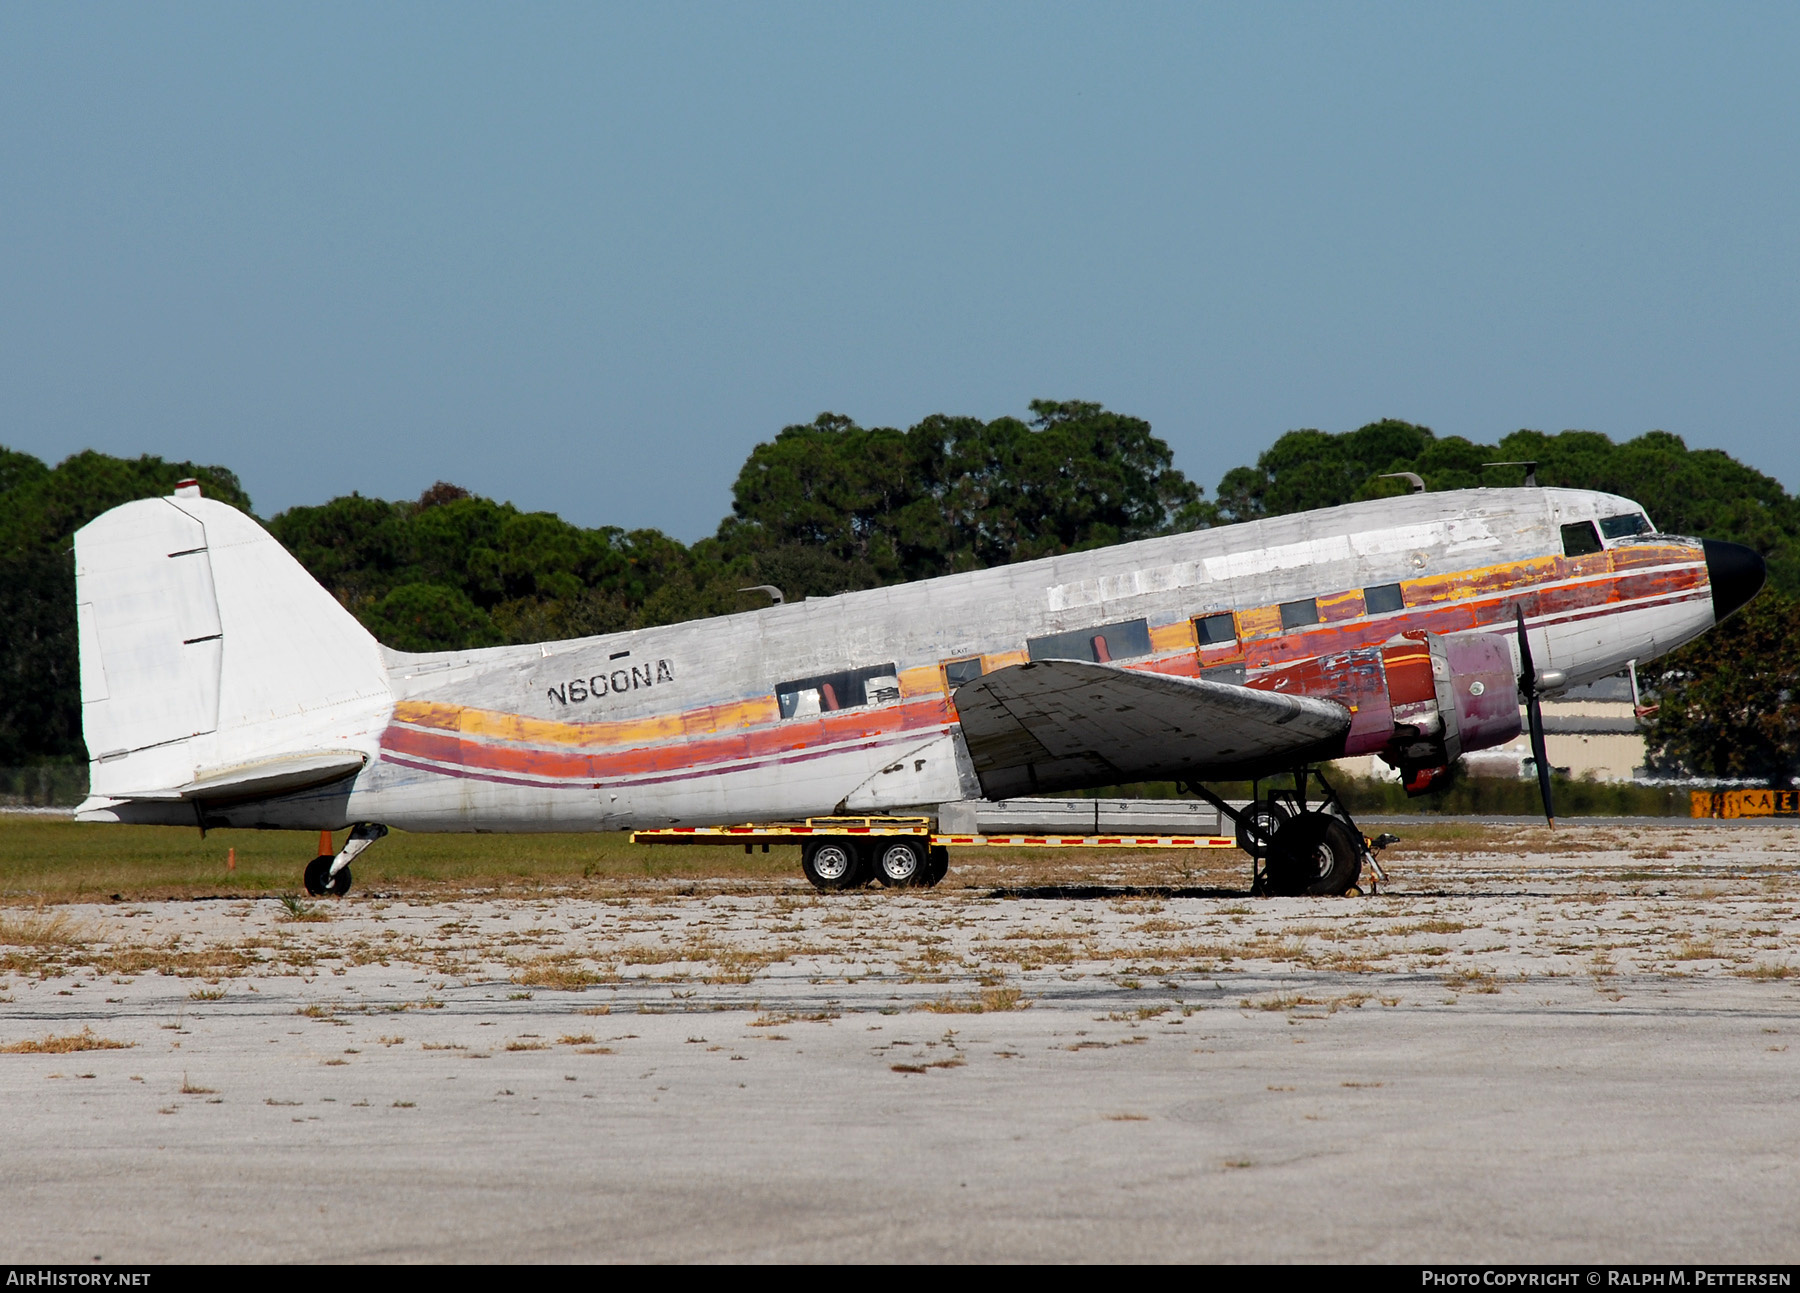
(1626,525)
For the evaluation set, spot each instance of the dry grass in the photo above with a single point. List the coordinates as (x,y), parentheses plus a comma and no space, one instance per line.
(557,973)
(989,1000)
(85,1040)
(40,929)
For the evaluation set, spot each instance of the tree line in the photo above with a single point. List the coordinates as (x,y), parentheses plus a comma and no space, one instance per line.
(829,506)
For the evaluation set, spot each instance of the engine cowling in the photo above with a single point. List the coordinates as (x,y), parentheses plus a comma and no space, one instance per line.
(1448,696)
(1419,701)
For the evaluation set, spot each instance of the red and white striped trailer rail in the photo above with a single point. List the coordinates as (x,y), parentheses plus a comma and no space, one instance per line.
(766,833)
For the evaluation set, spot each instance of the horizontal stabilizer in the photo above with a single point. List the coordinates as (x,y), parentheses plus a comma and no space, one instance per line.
(265,777)
(1067,724)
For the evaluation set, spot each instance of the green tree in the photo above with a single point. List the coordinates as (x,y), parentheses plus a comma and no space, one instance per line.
(953,493)
(1730,699)
(40,510)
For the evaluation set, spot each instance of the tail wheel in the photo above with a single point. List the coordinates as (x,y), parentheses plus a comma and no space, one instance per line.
(901,863)
(1315,853)
(832,865)
(320,881)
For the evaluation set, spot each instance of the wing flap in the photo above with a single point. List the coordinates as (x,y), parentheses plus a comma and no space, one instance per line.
(1065,724)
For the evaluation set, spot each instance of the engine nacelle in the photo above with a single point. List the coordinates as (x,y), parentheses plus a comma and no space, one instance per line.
(1419,701)
(1449,696)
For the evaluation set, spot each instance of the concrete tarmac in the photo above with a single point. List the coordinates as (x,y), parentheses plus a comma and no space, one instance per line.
(1583,1067)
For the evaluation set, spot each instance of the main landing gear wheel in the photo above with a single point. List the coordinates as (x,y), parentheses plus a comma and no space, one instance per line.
(319,880)
(832,864)
(1264,817)
(1314,853)
(901,863)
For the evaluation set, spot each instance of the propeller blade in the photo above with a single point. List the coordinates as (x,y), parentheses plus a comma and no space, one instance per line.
(1529,694)
(1541,757)
(1527,672)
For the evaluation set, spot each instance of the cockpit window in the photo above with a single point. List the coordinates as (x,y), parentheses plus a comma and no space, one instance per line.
(1626,525)
(851,689)
(1580,539)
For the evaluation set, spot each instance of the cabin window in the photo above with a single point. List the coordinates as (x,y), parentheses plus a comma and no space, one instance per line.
(1382,599)
(957,672)
(851,689)
(1623,527)
(1297,615)
(1104,642)
(1216,630)
(1580,539)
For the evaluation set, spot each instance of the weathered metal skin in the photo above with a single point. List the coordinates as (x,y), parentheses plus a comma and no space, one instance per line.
(682,725)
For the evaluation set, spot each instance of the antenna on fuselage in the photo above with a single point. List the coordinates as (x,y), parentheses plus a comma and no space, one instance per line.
(1410,477)
(773,592)
(1530,471)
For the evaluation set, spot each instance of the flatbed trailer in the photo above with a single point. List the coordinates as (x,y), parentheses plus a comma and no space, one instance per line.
(846,852)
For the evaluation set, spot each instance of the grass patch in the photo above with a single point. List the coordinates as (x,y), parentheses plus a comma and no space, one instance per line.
(549,972)
(990,999)
(85,1040)
(57,860)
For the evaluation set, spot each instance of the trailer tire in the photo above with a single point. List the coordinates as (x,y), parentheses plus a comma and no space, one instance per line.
(937,866)
(899,863)
(833,864)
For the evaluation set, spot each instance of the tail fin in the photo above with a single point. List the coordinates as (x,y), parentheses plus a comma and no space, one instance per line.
(207,651)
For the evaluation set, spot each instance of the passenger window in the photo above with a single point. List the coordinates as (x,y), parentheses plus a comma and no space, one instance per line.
(1216,630)
(1106,642)
(1382,599)
(1295,615)
(957,672)
(1580,539)
(1623,527)
(849,690)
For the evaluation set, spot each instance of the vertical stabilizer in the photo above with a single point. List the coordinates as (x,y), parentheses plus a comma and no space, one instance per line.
(205,645)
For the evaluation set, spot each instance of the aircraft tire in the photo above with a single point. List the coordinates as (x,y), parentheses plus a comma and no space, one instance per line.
(317,882)
(1270,813)
(899,863)
(833,864)
(1315,854)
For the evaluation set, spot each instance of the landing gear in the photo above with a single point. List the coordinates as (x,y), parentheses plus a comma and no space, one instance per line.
(832,865)
(320,881)
(330,873)
(1314,853)
(1295,850)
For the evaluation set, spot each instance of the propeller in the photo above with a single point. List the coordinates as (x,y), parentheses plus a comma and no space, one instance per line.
(1528,687)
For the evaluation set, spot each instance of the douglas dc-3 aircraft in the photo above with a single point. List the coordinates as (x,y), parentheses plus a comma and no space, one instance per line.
(222,686)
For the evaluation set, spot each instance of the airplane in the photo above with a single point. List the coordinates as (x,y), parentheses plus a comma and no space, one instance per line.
(222,686)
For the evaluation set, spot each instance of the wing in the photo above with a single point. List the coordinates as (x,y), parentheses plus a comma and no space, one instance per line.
(1065,724)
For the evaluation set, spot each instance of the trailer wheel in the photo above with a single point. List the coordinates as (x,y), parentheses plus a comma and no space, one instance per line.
(832,864)
(937,865)
(900,863)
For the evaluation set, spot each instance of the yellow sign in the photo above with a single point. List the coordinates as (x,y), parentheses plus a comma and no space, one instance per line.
(1746,803)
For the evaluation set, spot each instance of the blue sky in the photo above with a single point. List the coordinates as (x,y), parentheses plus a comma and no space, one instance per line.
(585,257)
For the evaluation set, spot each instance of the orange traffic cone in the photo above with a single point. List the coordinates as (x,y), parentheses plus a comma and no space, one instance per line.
(325,849)
(231,859)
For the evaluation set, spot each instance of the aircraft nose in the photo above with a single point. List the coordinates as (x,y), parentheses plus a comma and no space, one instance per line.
(1735,572)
